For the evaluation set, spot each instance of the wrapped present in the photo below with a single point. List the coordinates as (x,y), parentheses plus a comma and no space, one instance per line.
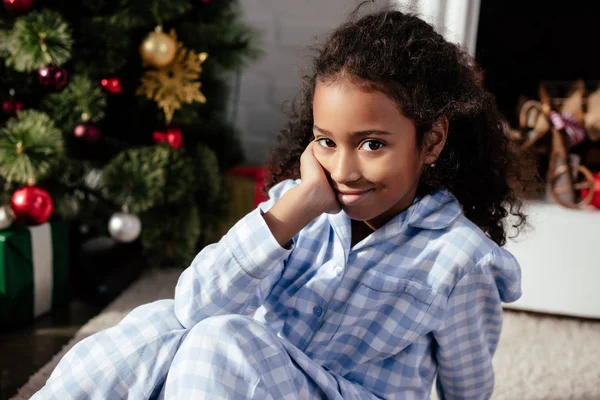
(257,176)
(34,271)
(245,188)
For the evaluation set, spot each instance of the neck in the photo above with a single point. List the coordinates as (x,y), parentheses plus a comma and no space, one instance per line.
(360,230)
(370,225)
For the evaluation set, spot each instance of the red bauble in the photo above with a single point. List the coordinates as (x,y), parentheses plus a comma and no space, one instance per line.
(32,204)
(52,77)
(18,5)
(596,198)
(10,107)
(172,137)
(61,78)
(111,85)
(45,76)
(88,132)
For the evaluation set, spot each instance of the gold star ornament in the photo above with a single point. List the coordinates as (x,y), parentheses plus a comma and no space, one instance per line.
(176,82)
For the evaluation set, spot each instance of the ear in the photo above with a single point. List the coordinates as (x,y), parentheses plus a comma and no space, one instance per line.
(435,140)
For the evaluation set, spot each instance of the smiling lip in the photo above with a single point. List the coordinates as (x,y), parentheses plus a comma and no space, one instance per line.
(351,198)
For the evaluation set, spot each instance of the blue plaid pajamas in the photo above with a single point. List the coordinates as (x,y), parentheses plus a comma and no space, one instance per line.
(419,298)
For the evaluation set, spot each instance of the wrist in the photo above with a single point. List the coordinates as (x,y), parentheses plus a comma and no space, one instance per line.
(310,203)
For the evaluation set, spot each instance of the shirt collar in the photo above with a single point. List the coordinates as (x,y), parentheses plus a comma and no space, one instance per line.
(434,211)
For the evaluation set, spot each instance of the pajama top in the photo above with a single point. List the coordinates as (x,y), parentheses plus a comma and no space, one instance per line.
(417,299)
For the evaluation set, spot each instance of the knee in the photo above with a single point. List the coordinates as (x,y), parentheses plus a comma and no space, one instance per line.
(228,332)
(159,314)
(228,328)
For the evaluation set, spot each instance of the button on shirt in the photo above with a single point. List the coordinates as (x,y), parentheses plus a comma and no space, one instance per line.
(418,297)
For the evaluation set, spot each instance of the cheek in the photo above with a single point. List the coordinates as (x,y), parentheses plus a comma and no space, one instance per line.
(387,171)
(322,157)
(393,171)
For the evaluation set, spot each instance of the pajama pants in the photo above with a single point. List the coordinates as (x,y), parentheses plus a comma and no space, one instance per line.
(150,355)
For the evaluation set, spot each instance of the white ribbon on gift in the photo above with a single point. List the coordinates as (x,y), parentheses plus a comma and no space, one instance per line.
(41,252)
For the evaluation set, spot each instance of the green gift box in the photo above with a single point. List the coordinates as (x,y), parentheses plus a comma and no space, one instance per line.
(34,271)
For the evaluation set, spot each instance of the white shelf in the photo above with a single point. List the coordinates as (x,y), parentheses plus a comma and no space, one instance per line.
(560,261)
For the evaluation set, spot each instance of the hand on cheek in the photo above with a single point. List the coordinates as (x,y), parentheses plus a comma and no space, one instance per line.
(315,179)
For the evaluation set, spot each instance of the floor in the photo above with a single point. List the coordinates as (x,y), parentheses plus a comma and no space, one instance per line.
(26,350)
(97,279)
(539,357)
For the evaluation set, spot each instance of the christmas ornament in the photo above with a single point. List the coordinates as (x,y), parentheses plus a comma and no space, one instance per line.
(172,137)
(46,76)
(111,85)
(596,199)
(32,204)
(10,107)
(88,132)
(176,83)
(18,5)
(6,217)
(567,121)
(124,227)
(158,48)
(52,77)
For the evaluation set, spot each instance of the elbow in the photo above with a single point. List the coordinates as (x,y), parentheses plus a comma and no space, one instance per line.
(184,300)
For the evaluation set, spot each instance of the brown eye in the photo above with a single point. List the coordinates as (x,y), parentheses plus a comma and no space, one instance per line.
(371,145)
(325,142)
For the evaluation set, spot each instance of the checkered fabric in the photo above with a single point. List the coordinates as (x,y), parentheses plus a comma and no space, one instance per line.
(418,298)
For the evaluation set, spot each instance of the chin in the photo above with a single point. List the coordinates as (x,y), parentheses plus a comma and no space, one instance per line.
(359,213)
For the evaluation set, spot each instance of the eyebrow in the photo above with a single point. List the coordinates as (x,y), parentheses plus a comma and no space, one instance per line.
(354,134)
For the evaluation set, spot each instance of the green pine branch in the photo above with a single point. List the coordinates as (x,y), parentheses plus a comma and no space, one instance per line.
(170,234)
(229,42)
(148,177)
(134,14)
(178,194)
(208,176)
(103,47)
(38,39)
(4,35)
(30,146)
(80,101)
(181,176)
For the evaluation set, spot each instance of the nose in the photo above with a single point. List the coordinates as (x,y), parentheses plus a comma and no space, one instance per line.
(345,167)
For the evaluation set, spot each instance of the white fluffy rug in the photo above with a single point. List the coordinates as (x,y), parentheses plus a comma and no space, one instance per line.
(539,357)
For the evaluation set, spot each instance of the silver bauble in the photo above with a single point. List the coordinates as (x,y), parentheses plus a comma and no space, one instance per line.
(124,227)
(6,217)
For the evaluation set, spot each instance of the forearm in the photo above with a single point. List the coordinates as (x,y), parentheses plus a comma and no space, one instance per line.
(296,209)
(233,276)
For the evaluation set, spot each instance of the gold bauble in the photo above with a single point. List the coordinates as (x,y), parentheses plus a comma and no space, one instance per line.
(158,49)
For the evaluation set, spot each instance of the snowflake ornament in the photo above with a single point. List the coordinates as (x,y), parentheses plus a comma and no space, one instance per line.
(176,83)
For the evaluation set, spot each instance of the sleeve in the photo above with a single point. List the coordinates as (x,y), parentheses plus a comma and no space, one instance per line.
(235,275)
(468,336)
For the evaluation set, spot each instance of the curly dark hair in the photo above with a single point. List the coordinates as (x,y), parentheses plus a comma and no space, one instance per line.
(429,78)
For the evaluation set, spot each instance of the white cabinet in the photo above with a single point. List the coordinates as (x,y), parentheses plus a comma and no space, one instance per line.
(560,261)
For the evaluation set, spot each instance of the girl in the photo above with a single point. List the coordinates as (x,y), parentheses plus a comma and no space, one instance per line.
(376,272)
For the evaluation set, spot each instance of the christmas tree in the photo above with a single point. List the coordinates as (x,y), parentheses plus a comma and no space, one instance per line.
(115,114)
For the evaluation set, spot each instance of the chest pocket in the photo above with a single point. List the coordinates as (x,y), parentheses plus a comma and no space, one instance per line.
(382,316)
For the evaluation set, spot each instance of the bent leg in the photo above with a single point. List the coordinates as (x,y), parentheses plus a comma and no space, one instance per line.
(236,357)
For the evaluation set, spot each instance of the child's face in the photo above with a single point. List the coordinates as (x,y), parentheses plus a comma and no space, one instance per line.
(368,150)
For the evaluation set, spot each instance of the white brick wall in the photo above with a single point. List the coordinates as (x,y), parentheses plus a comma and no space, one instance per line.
(288,28)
